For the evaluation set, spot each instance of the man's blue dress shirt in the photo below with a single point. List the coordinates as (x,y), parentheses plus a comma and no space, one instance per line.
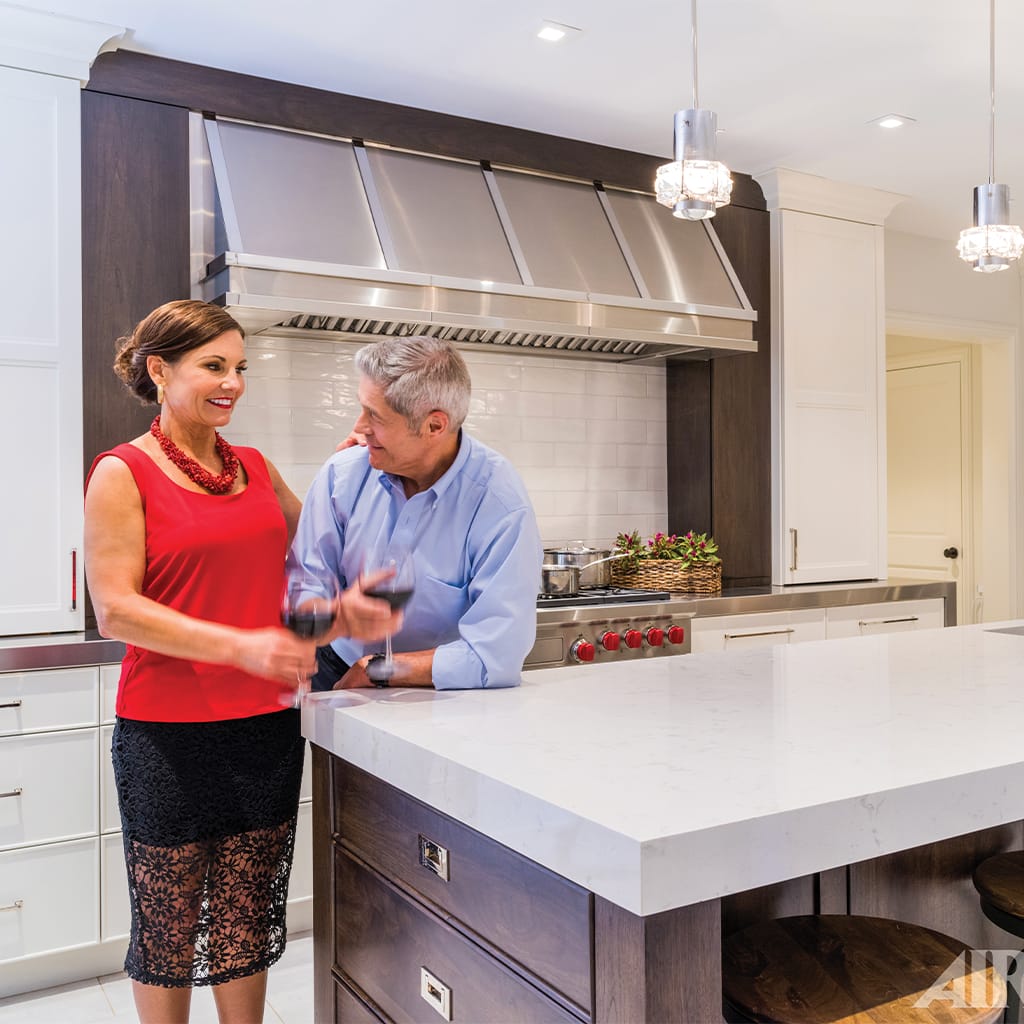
(476,549)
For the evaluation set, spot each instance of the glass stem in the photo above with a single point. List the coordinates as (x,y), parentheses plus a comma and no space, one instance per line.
(388,660)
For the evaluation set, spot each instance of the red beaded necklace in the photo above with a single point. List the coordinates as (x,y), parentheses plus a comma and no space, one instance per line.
(214,483)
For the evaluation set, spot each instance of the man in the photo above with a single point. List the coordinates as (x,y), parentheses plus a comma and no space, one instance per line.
(422,482)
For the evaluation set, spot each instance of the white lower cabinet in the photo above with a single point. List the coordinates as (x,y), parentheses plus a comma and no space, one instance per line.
(758,629)
(49,898)
(64,907)
(886,617)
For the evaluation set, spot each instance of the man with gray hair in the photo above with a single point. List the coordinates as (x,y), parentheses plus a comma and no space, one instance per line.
(417,479)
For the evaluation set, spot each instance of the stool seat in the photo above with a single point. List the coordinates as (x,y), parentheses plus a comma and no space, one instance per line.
(838,969)
(1000,883)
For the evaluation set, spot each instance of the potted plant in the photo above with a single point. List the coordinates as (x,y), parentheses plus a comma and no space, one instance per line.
(687,562)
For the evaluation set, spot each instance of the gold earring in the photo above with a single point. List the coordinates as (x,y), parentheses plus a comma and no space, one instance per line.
(159,394)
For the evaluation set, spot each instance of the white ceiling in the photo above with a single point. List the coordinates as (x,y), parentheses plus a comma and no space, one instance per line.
(794,82)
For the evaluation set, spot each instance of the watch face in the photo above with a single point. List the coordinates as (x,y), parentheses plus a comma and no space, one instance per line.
(378,671)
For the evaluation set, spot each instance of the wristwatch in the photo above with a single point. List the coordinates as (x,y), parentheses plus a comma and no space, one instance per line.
(377,671)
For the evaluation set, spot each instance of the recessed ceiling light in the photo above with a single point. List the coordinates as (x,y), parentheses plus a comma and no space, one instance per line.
(555,31)
(892,121)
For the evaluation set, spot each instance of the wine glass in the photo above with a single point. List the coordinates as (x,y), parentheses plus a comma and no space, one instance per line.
(309,604)
(391,573)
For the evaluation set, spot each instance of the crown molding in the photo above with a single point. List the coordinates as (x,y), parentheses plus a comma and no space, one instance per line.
(793,190)
(52,43)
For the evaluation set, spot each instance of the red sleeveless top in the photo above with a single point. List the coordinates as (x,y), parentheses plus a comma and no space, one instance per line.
(214,557)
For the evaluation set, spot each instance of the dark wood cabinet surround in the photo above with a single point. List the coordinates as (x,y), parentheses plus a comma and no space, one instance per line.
(136,255)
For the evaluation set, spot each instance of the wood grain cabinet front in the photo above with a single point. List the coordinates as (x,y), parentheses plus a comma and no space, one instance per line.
(416,967)
(534,917)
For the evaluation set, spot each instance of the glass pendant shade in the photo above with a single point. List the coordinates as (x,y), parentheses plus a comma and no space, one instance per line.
(993,243)
(694,185)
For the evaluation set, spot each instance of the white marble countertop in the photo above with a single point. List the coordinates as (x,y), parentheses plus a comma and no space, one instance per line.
(676,780)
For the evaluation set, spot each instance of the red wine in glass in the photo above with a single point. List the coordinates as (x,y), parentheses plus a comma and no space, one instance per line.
(309,604)
(394,563)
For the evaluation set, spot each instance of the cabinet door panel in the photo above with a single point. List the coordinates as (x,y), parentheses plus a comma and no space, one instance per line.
(58,778)
(887,617)
(116,912)
(41,353)
(47,699)
(109,676)
(300,885)
(110,815)
(57,888)
(384,941)
(761,629)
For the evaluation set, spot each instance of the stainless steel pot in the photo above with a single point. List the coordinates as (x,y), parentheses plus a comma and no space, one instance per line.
(559,580)
(593,563)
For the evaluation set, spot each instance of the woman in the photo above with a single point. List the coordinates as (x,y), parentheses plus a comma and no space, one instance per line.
(186,540)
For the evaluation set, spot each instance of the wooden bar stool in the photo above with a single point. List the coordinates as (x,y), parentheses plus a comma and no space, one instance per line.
(1000,884)
(838,969)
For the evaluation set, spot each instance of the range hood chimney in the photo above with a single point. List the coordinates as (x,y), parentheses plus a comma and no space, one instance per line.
(332,238)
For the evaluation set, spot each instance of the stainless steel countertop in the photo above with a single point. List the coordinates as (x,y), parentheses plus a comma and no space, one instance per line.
(58,650)
(68,650)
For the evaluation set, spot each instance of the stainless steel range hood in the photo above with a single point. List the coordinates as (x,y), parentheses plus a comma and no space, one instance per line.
(326,237)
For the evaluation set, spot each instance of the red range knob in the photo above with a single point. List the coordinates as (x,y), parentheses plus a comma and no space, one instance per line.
(633,638)
(676,634)
(610,641)
(655,636)
(582,651)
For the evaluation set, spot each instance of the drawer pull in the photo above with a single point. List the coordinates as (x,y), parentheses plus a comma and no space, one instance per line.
(16,905)
(11,792)
(885,622)
(436,993)
(434,857)
(763,632)
(11,704)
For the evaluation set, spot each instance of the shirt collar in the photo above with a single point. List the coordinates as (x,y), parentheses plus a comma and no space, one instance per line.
(390,482)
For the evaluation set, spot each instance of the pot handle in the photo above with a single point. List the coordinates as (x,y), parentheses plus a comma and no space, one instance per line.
(607,558)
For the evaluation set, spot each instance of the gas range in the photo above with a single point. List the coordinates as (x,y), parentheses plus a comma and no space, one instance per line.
(611,625)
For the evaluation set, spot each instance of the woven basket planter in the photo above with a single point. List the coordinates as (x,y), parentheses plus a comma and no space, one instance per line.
(669,574)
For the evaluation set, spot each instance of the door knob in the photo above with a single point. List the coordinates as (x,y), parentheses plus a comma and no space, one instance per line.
(950,553)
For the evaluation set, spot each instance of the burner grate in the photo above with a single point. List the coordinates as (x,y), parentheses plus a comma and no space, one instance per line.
(600,596)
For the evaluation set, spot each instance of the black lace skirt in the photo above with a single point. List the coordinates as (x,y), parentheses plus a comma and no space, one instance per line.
(208,811)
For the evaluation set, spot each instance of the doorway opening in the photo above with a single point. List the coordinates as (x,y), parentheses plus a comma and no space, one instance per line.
(951,479)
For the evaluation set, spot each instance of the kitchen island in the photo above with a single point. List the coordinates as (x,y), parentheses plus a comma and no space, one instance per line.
(657,792)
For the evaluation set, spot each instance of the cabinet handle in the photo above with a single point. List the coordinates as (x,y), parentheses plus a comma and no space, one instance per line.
(11,703)
(74,579)
(434,857)
(436,993)
(885,622)
(11,792)
(764,632)
(793,539)
(16,905)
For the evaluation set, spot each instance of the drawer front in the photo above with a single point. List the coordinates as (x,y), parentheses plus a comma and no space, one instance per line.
(763,629)
(115,907)
(300,885)
(63,698)
(538,918)
(49,898)
(110,815)
(54,783)
(348,1009)
(109,676)
(384,942)
(886,617)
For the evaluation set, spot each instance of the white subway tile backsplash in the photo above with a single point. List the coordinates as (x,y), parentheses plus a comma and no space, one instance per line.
(612,382)
(587,437)
(553,429)
(612,429)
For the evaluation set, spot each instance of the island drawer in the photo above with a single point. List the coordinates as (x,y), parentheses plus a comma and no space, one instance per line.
(349,1009)
(417,968)
(537,918)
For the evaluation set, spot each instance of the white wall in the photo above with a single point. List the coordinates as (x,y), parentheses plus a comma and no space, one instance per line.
(588,437)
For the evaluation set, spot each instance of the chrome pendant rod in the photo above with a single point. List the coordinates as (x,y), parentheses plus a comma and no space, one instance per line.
(693,32)
(991,90)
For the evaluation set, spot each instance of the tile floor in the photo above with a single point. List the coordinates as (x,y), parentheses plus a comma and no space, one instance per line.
(109,999)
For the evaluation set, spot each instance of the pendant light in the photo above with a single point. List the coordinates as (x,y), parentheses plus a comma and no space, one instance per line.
(695,184)
(993,243)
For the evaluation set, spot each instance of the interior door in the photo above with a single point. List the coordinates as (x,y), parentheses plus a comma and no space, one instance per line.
(925,474)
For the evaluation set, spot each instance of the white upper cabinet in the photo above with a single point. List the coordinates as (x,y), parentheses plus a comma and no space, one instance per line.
(44,60)
(828,409)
